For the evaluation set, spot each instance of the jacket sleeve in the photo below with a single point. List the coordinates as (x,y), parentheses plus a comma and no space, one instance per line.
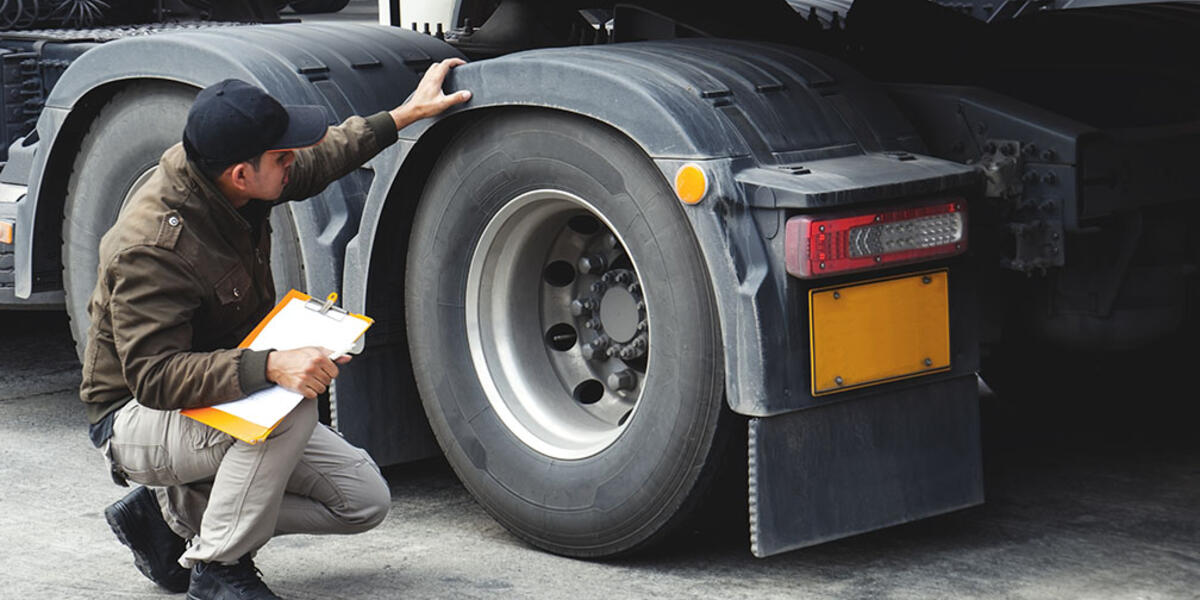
(343,149)
(153,301)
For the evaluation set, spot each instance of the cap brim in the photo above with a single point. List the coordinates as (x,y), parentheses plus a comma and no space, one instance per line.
(306,126)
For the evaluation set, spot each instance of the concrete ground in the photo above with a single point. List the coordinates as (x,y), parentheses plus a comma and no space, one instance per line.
(1107,510)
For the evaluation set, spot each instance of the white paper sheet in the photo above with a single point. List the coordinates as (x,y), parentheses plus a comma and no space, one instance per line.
(294,326)
(264,408)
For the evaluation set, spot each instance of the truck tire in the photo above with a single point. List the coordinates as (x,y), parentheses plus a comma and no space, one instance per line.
(537,233)
(118,154)
(308,7)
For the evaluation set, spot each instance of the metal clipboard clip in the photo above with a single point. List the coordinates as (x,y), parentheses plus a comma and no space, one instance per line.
(327,308)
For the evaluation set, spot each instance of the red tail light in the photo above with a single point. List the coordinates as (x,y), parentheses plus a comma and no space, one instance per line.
(825,245)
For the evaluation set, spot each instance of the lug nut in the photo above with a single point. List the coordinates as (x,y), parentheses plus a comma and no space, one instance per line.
(580,308)
(622,380)
(592,263)
(599,287)
(591,352)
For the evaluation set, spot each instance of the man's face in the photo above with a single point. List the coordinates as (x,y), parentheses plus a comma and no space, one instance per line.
(267,181)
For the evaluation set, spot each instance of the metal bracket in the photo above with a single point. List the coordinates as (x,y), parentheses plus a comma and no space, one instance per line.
(1038,245)
(1002,164)
(1035,220)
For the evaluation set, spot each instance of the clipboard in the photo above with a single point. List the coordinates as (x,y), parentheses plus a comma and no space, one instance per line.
(298,320)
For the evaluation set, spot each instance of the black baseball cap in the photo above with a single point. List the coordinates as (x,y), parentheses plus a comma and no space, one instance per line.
(232,121)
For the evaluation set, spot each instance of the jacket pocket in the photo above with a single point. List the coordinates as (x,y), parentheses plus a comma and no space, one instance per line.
(233,287)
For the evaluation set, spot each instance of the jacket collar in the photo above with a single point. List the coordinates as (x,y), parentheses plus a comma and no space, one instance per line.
(186,174)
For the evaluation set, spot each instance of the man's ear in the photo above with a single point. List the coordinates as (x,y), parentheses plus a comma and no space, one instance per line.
(236,175)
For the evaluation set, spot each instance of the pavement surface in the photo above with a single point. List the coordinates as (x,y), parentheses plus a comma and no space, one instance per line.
(1103,509)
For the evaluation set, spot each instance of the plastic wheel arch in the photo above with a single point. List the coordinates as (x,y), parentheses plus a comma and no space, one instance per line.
(726,104)
(349,69)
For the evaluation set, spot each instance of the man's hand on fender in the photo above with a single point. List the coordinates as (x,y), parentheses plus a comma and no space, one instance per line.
(307,371)
(428,99)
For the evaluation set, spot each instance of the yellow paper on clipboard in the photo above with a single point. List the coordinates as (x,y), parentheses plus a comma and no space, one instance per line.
(297,321)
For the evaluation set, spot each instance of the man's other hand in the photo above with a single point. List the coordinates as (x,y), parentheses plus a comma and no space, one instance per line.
(428,99)
(307,371)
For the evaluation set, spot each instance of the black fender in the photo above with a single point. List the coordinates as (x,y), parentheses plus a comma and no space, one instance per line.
(736,107)
(349,69)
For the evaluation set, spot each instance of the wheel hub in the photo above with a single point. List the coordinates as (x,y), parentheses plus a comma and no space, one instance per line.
(558,324)
(616,313)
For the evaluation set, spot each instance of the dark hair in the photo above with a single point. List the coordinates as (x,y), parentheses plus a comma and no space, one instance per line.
(213,170)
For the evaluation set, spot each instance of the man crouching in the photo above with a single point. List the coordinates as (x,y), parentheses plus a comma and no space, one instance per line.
(184,275)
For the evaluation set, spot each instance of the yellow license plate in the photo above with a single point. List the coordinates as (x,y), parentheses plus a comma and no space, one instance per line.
(874,332)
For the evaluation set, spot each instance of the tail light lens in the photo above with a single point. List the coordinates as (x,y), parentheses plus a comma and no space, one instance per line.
(819,245)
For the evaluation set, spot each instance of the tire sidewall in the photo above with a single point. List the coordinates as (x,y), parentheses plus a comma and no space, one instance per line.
(596,502)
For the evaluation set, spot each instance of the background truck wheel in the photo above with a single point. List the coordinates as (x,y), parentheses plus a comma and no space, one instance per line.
(118,154)
(307,7)
(564,336)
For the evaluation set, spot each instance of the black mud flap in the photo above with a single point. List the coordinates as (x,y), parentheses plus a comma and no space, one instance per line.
(862,464)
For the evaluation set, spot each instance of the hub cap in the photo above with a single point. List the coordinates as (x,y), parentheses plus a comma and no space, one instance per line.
(557,324)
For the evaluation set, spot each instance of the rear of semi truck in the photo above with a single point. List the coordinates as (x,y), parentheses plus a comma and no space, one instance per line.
(669,248)
(635,267)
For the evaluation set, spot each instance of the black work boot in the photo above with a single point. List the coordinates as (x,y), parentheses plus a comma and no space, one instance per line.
(239,581)
(138,522)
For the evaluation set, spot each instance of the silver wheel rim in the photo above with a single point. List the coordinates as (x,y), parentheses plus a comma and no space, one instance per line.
(557,325)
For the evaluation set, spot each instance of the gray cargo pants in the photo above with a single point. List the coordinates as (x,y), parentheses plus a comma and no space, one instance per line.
(229,497)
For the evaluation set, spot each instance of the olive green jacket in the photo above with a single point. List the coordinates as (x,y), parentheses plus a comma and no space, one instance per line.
(182,281)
